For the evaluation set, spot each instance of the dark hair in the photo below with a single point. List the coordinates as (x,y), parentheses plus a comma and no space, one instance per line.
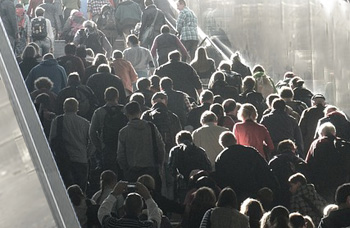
(248,83)
(225,66)
(206,95)
(174,56)
(165,29)
(159,95)
(229,105)
(297,178)
(218,99)
(279,104)
(43,82)
(183,137)
(39,11)
(70,49)
(132,108)
(296,220)
(75,194)
(48,56)
(29,52)
(217,109)
(73,79)
(270,98)
(43,99)
(138,97)
(342,193)
(286,92)
(133,204)
(99,59)
(155,79)
(279,217)
(81,51)
(132,39)
(227,198)
(111,94)
(286,146)
(254,210)
(117,54)
(107,177)
(166,83)
(258,68)
(148,2)
(143,83)
(182,2)
(104,68)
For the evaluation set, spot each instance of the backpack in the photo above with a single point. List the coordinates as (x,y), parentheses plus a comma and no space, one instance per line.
(264,85)
(39,30)
(91,214)
(106,19)
(114,121)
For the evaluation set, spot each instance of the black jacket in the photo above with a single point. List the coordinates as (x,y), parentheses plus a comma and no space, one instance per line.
(8,16)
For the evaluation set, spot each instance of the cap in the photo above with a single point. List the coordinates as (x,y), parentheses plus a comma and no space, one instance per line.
(318,96)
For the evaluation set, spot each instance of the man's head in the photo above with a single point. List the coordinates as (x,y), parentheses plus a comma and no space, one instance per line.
(318,99)
(48,56)
(71,105)
(139,98)
(279,104)
(132,40)
(39,11)
(43,83)
(248,83)
(181,4)
(342,195)
(104,68)
(327,129)
(133,110)
(208,117)
(183,137)
(143,84)
(286,145)
(174,56)
(206,96)
(133,204)
(160,97)
(295,181)
(117,54)
(148,181)
(286,93)
(227,139)
(111,95)
(166,83)
(73,79)
(70,49)
(165,29)
(229,106)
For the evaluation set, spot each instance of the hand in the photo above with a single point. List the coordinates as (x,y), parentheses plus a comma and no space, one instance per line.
(143,191)
(119,188)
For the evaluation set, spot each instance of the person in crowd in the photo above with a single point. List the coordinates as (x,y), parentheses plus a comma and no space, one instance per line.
(263,83)
(223,120)
(225,214)
(73,24)
(287,77)
(309,119)
(340,217)
(140,57)
(44,85)
(29,61)
(106,123)
(33,4)
(282,126)
(24,30)
(239,67)
(103,79)
(232,78)
(203,200)
(269,100)
(328,161)
(75,134)
(124,70)
(186,26)
(297,220)
(184,77)
(279,217)
(254,210)
(97,61)
(206,98)
(204,66)
(250,133)
(287,94)
(152,17)
(51,13)
(71,62)
(140,147)
(233,167)
(8,17)
(41,32)
(140,99)
(305,198)
(219,86)
(207,136)
(178,102)
(231,109)
(133,205)
(143,85)
(283,165)
(301,93)
(48,68)
(95,8)
(165,43)
(46,115)
(82,54)
(127,14)
(155,83)
(69,6)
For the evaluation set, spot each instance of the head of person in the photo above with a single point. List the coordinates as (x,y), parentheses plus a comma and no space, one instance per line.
(139,98)
(265,196)
(295,181)
(297,220)
(90,26)
(253,209)
(216,76)
(75,194)
(148,2)
(132,40)
(225,66)
(108,178)
(143,84)
(36,47)
(184,137)
(288,75)
(43,83)
(342,196)
(329,208)
(73,79)
(286,93)
(279,104)
(148,181)
(48,56)
(200,54)
(208,117)
(133,110)
(327,130)
(117,54)
(204,197)
(166,84)
(258,68)
(236,57)
(227,139)
(265,220)
(155,80)
(318,99)
(70,49)
(279,217)
(71,105)
(29,52)
(181,4)
(270,98)
(248,83)
(174,56)
(206,96)
(99,59)
(286,146)
(111,95)
(227,198)
(160,97)
(247,112)
(104,68)
(229,106)
(218,99)
(133,204)
(296,82)
(43,99)
(81,51)
(308,222)
(217,109)
(329,109)
(39,11)
(165,29)
(91,54)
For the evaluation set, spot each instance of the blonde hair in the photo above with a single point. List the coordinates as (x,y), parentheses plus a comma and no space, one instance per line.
(247,112)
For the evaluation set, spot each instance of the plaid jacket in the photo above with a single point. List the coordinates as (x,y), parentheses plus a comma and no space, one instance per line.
(186,25)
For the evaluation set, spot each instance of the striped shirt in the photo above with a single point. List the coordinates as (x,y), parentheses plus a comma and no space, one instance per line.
(186,25)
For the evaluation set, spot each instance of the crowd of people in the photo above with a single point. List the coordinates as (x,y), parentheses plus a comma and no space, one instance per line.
(138,139)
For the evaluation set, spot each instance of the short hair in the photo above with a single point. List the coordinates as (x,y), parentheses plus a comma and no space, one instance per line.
(39,11)
(270,98)
(99,59)
(70,105)
(227,198)
(330,108)
(182,2)
(29,52)
(286,146)
(148,181)
(288,74)
(43,83)
(174,56)
(104,68)
(81,51)
(229,105)
(48,56)
(91,53)
(148,2)
(73,79)
(279,214)
(165,29)
(183,136)
(133,204)
(258,68)
(342,193)
(252,208)
(70,49)
(327,129)
(143,83)
(226,139)
(89,24)
(224,65)
(286,92)
(75,194)
(166,83)
(132,108)
(218,99)
(111,94)
(298,178)
(155,79)
(132,39)
(297,220)
(138,97)
(249,82)
(206,95)
(19,6)
(117,54)
(217,109)
(107,177)
(208,117)
(247,112)
(279,104)
(159,95)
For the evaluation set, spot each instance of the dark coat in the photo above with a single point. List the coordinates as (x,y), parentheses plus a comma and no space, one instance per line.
(303,94)
(176,104)
(341,124)
(194,116)
(72,63)
(240,68)
(223,89)
(27,65)
(338,218)
(8,16)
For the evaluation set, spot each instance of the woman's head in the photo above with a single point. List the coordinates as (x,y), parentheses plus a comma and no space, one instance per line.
(204,197)
(247,112)
(227,198)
